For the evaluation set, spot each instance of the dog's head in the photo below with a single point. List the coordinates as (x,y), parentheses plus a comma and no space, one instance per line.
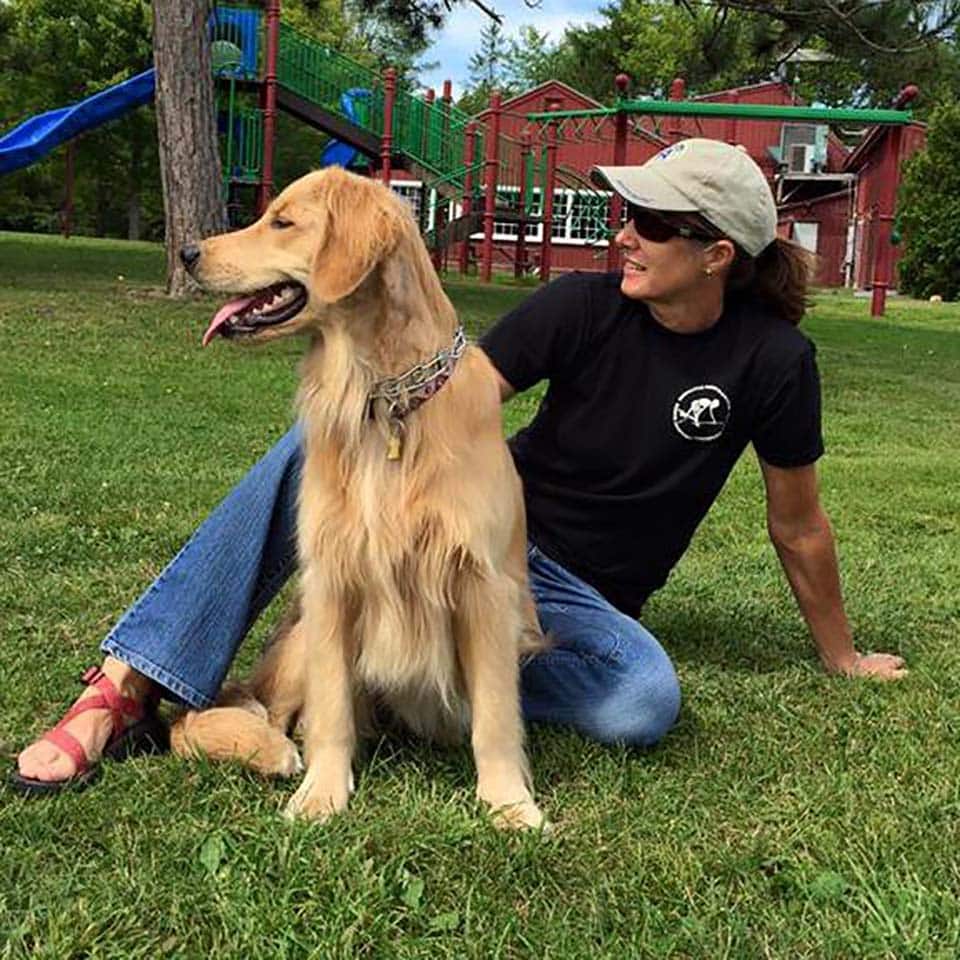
(314,246)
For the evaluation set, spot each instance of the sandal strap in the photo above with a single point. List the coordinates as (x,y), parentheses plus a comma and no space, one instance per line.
(120,707)
(107,697)
(71,746)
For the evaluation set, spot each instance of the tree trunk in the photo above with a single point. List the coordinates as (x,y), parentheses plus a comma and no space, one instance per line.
(187,131)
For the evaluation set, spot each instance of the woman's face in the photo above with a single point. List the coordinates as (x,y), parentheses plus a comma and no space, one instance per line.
(672,270)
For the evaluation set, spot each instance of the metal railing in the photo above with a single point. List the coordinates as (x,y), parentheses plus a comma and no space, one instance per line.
(248,146)
(433,134)
(321,75)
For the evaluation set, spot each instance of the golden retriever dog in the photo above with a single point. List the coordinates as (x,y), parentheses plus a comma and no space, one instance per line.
(411,531)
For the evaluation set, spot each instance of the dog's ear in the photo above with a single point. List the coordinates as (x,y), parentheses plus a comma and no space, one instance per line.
(363,225)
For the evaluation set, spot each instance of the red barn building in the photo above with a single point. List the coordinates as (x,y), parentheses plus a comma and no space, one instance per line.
(826,193)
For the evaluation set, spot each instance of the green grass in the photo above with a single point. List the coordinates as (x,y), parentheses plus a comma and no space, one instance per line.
(788,815)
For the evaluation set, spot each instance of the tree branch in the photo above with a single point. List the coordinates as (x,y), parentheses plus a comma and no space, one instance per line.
(809,19)
(489,11)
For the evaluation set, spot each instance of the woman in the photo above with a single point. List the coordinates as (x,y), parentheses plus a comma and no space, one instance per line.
(659,378)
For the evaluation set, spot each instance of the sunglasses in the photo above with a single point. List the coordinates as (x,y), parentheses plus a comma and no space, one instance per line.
(653,227)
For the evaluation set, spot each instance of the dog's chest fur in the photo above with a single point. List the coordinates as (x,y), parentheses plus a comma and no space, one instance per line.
(392,558)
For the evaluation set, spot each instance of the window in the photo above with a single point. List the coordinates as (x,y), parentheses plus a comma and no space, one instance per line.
(803,147)
(579,217)
(508,197)
(412,192)
(561,215)
(589,213)
(409,190)
(807,235)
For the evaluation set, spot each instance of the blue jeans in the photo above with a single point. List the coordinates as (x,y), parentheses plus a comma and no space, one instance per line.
(604,675)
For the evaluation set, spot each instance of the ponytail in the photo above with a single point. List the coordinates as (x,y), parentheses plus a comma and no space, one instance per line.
(779,277)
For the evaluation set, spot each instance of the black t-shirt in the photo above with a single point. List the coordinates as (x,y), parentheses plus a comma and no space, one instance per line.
(640,427)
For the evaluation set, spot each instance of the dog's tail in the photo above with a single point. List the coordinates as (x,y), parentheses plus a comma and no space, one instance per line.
(250,721)
(234,733)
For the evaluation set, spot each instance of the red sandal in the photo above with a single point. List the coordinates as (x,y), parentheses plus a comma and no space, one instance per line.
(136,730)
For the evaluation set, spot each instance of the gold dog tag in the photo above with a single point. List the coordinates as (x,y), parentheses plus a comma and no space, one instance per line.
(394,441)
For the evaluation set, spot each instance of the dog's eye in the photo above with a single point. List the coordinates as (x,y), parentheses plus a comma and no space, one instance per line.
(278,223)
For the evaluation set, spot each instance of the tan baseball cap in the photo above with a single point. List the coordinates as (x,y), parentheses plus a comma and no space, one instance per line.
(708,177)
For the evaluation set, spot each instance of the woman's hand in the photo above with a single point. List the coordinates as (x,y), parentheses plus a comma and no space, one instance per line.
(877,666)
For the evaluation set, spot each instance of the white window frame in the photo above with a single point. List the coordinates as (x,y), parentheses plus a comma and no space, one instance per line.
(412,192)
(564,219)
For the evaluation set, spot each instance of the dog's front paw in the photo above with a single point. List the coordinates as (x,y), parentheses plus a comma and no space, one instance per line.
(513,809)
(523,815)
(319,798)
(288,762)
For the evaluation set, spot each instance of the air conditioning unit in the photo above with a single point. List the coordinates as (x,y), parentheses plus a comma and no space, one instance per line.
(800,159)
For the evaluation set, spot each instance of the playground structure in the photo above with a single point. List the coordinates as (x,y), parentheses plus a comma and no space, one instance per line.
(477,179)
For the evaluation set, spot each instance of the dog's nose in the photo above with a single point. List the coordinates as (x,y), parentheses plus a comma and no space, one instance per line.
(189,255)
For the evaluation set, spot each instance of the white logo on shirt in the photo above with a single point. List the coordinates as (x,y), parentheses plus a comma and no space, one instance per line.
(701,413)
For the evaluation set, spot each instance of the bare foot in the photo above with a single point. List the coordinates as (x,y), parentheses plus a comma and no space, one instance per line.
(44,761)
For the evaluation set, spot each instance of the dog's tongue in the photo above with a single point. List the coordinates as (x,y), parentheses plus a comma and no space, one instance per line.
(224,313)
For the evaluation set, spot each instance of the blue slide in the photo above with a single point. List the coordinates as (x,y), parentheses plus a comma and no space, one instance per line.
(336,153)
(36,137)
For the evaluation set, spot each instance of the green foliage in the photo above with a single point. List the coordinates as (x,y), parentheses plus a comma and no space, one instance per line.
(530,59)
(487,70)
(871,50)
(879,49)
(323,20)
(929,210)
(651,40)
(486,66)
(378,41)
(510,65)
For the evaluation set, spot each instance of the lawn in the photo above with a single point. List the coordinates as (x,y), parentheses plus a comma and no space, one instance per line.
(789,814)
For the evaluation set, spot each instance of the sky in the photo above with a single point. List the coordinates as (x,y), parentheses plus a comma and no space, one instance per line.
(460,36)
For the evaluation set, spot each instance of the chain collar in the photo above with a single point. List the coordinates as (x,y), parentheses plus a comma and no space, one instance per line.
(403,394)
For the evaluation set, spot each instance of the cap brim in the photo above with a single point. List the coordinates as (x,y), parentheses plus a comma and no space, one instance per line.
(643,187)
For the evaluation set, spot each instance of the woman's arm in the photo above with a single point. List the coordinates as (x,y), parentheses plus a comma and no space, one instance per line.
(801,534)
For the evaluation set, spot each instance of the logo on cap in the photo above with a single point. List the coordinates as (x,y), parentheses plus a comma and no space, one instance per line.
(673,151)
(701,413)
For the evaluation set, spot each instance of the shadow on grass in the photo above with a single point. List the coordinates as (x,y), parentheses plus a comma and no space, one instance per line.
(738,642)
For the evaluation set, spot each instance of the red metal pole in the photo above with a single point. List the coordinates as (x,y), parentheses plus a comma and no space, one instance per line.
(466,208)
(520,254)
(678,91)
(730,132)
(490,186)
(886,200)
(269,104)
(446,98)
(619,159)
(886,205)
(386,138)
(426,148)
(548,187)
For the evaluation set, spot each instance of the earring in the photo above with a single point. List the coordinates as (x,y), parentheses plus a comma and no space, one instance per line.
(708,272)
